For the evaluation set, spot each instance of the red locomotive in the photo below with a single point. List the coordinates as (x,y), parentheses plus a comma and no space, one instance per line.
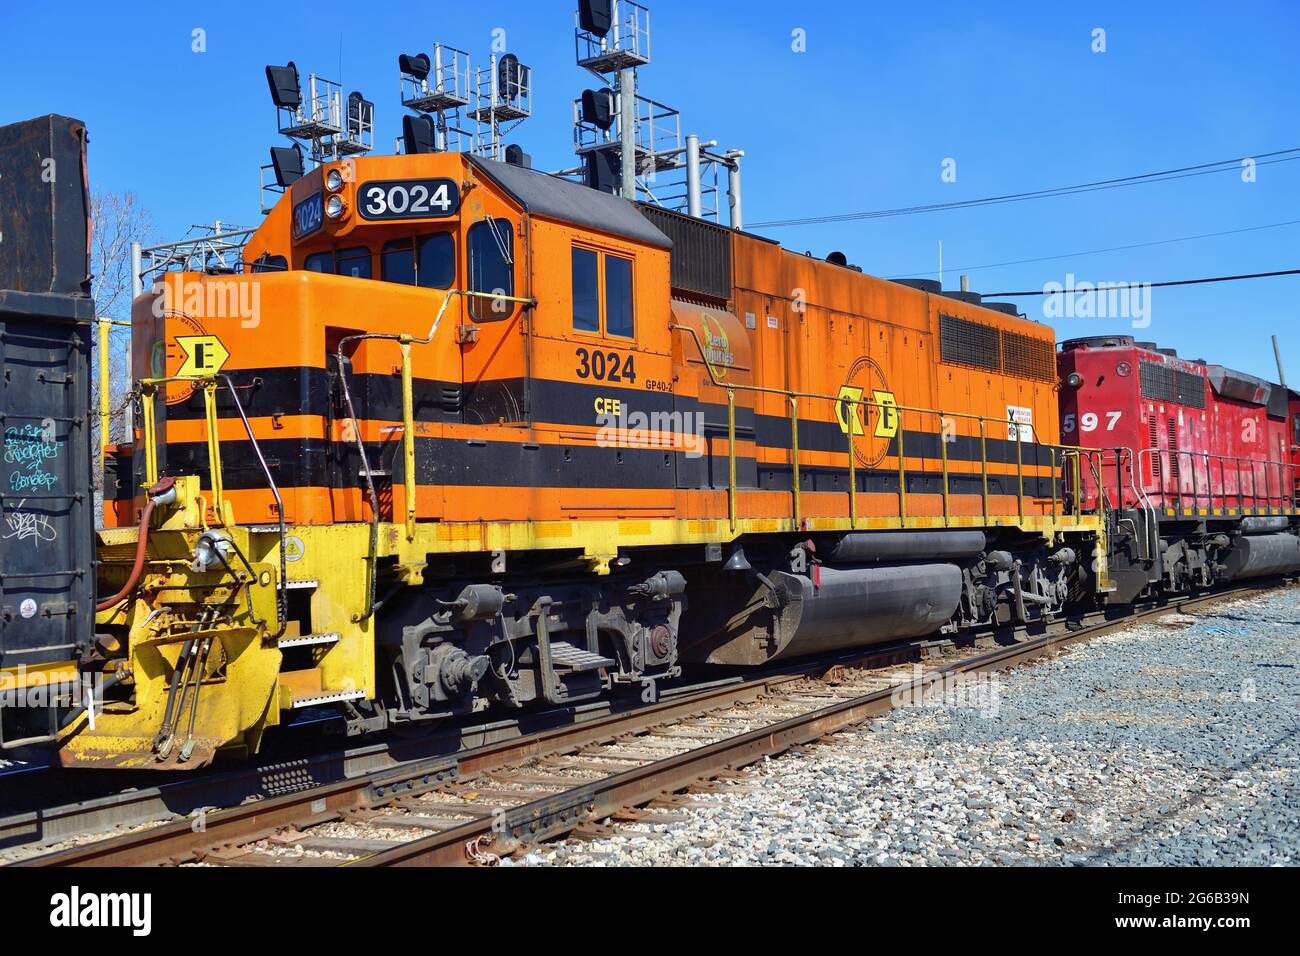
(1196,462)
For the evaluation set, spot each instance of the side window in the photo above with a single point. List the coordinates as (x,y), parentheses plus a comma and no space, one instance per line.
(618,296)
(269,263)
(491,268)
(1295,430)
(320,262)
(586,290)
(435,260)
(354,262)
(397,262)
(602,289)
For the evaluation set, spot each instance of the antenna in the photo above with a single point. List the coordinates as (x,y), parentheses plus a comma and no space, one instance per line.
(327,124)
(630,144)
(459,108)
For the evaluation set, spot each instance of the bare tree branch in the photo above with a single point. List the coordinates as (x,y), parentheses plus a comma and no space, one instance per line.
(117,220)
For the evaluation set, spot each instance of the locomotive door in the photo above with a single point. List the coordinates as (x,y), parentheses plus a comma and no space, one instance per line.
(491,335)
(601,374)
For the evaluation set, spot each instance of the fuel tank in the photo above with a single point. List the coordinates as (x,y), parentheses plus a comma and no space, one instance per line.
(846,608)
(1258,556)
(1264,525)
(902,546)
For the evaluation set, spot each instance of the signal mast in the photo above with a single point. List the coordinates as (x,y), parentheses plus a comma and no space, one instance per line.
(456,108)
(630,144)
(323,121)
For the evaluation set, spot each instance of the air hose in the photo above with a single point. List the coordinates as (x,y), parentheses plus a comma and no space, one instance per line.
(162,493)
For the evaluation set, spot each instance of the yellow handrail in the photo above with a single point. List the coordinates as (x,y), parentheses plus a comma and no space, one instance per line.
(105,397)
(731,456)
(149,388)
(408,439)
(1070,452)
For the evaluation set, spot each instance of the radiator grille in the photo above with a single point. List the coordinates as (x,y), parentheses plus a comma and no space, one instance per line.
(1157,382)
(1190,389)
(969,343)
(962,342)
(1027,357)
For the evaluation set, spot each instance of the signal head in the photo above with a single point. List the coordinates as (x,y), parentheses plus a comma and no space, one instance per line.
(598,108)
(595,16)
(512,77)
(286,161)
(283,80)
(415,65)
(418,135)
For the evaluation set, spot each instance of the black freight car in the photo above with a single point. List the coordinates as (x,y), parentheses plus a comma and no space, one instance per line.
(47,574)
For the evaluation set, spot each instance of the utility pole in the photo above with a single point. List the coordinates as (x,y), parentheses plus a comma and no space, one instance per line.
(1277,354)
(627,130)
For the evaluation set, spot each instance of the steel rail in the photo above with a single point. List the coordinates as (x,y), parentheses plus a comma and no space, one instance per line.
(559,813)
(276,775)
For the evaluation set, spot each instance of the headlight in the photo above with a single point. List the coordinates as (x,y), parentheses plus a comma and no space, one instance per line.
(334,180)
(1074,380)
(335,207)
(1124,369)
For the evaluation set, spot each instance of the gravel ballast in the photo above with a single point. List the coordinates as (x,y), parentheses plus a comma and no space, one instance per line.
(1170,743)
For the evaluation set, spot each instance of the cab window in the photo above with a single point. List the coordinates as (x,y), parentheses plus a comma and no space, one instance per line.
(435,260)
(586,290)
(426,261)
(320,262)
(618,296)
(353,262)
(491,261)
(602,293)
(269,263)
(397,261)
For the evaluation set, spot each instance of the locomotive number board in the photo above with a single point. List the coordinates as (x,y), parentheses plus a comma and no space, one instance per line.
(408,198)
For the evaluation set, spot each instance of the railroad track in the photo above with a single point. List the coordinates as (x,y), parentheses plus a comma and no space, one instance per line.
(481,804)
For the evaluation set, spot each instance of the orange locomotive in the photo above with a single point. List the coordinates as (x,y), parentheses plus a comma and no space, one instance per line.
(461,435)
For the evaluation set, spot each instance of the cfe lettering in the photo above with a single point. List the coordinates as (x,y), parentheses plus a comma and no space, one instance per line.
(609,407)
(887,413)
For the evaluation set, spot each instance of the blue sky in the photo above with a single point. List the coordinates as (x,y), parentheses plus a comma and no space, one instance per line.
(862,120)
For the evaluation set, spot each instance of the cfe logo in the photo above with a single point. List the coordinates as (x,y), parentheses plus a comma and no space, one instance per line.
(204,354)
(867,411)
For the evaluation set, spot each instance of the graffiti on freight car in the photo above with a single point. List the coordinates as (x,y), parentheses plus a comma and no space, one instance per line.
(29,526)
(28,450)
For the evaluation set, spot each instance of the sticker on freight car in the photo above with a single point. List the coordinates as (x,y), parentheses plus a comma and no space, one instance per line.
(204,354)
(773,322)
(294,548)
(750,321)
(27,608)
(1020,423)
(848,409)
